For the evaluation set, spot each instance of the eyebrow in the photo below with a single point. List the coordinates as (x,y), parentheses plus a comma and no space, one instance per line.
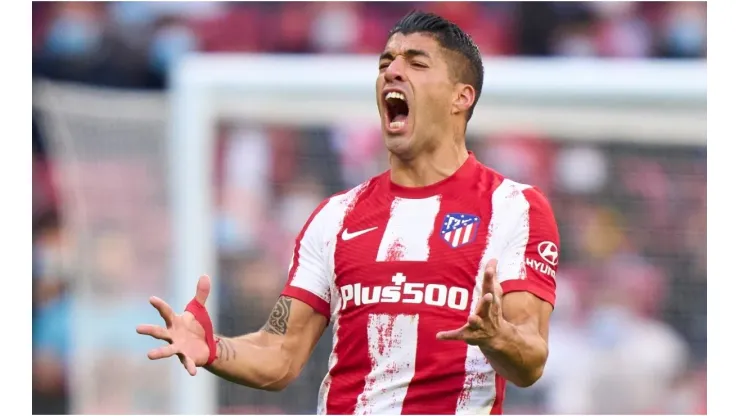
(408,53)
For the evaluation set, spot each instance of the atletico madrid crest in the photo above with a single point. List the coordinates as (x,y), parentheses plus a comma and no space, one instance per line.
(459,229)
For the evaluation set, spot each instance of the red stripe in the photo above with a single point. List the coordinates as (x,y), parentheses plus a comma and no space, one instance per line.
(439,375)
(498,403)
(319,305)
(352,365)
(542,227)
(535,287)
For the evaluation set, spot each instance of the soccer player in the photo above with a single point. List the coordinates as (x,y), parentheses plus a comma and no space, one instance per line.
(438,276)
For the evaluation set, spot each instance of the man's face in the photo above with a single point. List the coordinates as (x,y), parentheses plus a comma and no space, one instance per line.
(414,93)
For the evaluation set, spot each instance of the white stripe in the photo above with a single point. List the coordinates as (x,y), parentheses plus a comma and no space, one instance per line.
(456,240)
(335,306)
(447,236)
(468,231)
(392,340)
(479,388)
(511,262)
(316,252)
(406,236)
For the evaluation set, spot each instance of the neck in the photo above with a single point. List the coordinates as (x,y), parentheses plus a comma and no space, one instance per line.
(428,168)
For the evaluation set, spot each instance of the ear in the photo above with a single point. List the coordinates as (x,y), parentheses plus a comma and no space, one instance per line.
(463,99)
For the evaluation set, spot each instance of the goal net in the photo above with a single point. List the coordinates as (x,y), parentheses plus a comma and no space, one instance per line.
(219,175)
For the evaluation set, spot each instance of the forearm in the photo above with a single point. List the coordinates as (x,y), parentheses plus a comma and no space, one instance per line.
(253,360)
(519,354)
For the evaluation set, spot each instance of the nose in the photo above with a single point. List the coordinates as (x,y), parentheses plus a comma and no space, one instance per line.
(395,72)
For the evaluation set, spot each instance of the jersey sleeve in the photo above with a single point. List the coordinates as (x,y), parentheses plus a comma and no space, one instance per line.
(309,275)
(530,258)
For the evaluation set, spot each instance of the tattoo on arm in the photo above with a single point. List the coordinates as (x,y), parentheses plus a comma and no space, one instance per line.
(225,351)
(278,322)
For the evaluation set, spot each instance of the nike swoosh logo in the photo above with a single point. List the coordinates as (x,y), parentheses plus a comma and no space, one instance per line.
(348,236)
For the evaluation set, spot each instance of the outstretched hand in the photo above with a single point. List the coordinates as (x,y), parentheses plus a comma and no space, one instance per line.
(487,321)
(186,336)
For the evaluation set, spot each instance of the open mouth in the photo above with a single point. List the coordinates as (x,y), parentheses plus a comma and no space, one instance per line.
(397,111)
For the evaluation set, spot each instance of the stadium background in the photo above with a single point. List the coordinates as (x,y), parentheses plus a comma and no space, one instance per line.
(629,334)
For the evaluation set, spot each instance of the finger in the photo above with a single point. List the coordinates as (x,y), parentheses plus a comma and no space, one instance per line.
(484,306)
(498,290)
(203,289)
(165,310)
(475,322)
(154,331)
(162,352)
(189,364)
(489,276)
(453,335)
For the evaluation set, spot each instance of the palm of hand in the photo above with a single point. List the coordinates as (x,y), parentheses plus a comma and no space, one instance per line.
(485,323)
(188,336)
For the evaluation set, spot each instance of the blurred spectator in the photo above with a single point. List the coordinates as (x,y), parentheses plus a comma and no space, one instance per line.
(683,30)
(576,35)
(50,316)
(620,361)
(172,39)
(291,30)
(581,170)
(623,33)
(334,27)
(245,174)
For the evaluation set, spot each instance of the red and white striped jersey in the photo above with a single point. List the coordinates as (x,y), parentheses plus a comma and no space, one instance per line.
(391,266)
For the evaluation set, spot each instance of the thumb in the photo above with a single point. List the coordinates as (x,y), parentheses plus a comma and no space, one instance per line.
(498,290)
(203,289)
(453,335)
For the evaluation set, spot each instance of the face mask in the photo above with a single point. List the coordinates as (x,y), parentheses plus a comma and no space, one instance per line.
(73,36)
(132,14)
(169,45)
(686,36)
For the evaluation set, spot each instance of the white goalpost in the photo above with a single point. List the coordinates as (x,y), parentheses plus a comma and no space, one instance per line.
(658,102)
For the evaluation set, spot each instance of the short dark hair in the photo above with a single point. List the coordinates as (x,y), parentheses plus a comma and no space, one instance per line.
(468,67)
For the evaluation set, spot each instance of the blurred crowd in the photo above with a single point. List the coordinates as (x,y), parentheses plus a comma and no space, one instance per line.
(133,44)
(629,332)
